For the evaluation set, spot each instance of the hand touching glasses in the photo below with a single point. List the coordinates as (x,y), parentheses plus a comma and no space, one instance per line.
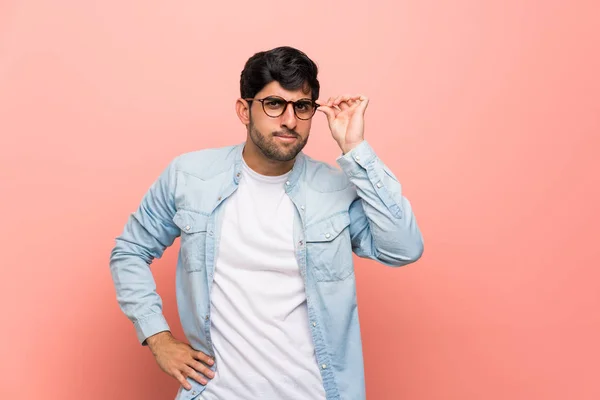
(346,117)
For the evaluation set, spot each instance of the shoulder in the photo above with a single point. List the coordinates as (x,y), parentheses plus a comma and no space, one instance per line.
(206,163)
(323,177)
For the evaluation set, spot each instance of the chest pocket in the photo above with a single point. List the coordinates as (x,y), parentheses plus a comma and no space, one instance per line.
(193,239)
(328,248)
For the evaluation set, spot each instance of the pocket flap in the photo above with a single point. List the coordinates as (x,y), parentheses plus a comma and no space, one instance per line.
(328,229)
(190,221)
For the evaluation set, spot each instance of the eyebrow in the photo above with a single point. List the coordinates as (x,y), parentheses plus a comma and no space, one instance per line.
(276,95)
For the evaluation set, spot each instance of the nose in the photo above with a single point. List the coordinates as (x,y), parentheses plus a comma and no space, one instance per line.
(288,118)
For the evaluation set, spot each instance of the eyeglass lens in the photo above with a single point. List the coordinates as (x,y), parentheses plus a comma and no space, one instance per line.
(275,106)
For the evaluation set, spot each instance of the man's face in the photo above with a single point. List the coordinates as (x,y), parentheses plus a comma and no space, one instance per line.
(280,138)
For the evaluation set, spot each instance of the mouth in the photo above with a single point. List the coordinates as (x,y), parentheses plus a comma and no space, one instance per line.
(286,138)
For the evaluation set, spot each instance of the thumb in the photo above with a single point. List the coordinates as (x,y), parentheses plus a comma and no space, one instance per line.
(328,111)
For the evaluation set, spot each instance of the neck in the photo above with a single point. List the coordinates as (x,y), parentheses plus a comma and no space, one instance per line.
(256,160)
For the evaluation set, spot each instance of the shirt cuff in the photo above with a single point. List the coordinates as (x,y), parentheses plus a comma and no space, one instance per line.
(149,326)
(356,160)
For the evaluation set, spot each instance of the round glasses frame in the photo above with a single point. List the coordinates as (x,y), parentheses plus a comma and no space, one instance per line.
(262,101)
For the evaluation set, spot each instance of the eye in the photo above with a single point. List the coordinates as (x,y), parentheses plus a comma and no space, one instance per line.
(274,102)
(304,105)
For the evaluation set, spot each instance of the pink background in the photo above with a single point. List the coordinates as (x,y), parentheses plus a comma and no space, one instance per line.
(488,112)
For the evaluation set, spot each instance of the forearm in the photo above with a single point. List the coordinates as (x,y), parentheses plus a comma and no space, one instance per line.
(134,283)
(389,231)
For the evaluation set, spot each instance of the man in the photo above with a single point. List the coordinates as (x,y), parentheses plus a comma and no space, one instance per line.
(265,279)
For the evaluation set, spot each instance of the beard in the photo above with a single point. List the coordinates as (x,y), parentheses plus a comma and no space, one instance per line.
(272,148)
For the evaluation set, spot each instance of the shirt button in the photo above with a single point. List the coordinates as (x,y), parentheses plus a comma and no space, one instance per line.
(301,243)
(302,207)
(378,184)
(187,227)
(324,366)
(219,198)
(287,183)
(314,324)
(327,235)
(357,158)
(238,174)
(210,233)
(206,318)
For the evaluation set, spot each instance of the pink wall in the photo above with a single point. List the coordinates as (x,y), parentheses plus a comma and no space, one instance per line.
(488,111)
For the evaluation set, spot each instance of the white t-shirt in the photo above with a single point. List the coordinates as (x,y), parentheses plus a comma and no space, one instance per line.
(260,330)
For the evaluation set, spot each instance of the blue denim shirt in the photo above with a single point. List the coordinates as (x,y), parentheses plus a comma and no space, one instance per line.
(359,209)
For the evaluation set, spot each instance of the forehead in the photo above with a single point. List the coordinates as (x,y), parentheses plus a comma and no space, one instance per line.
(275,89)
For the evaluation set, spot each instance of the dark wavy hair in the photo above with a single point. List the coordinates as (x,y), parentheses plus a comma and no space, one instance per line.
(286,65)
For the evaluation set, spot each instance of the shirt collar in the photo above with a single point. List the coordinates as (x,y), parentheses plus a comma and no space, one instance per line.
(294,174)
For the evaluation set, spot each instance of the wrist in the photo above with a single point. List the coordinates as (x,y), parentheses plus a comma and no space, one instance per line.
(348,147)
(155,340)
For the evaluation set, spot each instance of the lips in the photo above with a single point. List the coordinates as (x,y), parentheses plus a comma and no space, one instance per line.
(283,138)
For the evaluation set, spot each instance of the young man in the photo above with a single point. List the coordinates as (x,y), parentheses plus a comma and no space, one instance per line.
(265,278)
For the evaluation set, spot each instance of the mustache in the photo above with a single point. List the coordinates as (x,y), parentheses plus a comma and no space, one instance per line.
(287,132)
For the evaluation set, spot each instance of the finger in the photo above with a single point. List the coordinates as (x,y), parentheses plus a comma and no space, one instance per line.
(203,369)
(348,101)
(191,373)
(354,101)
(337,100)
(205,358)
(344,103)
(182,381)
(328,111)
(330,101)
(349,98)
(331,112)
(364,102)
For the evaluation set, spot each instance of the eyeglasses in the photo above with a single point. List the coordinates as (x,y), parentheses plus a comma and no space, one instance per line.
(275,106)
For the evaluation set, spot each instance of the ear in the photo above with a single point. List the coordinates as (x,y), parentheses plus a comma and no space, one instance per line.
(242,109)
